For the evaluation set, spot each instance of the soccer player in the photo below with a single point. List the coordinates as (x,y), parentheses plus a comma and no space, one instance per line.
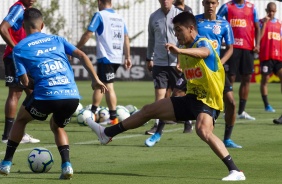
(215,29)
(12,32)
(111,36)
(160,62)
(270,54)
(204,99)
(180,4)
(243,18)
(44,58)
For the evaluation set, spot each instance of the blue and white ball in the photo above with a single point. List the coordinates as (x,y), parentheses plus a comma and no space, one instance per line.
(103,115)
(131,108)
(79,107)
(122,113)
(83,115)
(40,160)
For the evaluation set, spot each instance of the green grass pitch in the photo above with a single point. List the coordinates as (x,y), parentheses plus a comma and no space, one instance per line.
(178,158)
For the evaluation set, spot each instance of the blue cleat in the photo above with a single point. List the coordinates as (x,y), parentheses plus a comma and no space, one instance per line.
(153,140)
(269,108)
(230,144)
(5,167)
(67,171)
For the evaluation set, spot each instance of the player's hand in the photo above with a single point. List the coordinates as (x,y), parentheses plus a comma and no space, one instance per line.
(127,64)
(172,48)
(256,49)
(99,85)
(150,65)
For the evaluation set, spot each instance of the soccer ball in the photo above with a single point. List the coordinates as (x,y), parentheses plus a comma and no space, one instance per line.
(88,107)
(83,115)
(122,113)
(40,160)
(131,108)
(103,115)
(79,107)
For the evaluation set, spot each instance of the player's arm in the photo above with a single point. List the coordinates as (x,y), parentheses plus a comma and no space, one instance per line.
(84,38)
(151,45)
(96,83)
(127,62)
(257,31)
(201,52)
(227,54)
(4,31)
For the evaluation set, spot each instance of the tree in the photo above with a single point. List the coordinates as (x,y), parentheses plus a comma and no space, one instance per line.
(53,20)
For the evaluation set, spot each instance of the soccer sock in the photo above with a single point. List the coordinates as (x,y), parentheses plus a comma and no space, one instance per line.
(65,153)
(8,126)
(242,105)
(229,163)
(160,127)
(10,150)
(114,130)
(94,108)
(228,131)
(265,100)
(113,114)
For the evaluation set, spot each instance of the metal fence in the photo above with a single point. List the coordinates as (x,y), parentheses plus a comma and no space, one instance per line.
(136,16)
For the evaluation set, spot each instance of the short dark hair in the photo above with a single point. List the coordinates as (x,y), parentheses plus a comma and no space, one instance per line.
(31,15)
(185,18)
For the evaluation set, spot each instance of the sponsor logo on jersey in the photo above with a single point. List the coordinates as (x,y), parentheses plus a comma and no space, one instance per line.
(51,67)
(110,76)
(274,36)
(66,92)
(193,73)
(238,23)
(39,41)
(36,113)
(214,43)
(216,29)
(238,41)
(59,80)
(39,52)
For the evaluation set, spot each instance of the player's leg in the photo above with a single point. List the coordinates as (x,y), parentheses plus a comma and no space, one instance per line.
(204,128)
(57,123)
(15,137)
(278,72)
(246,69)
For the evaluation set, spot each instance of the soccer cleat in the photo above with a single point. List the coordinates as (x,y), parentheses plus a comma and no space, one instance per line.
(114,121)
(67,171)
(269,108)
(245,115)
(152,130)
(99,131)
(234,176)
(188,127)
(230,144)
(29,139)
(5,167)
(278,121)
(151,141)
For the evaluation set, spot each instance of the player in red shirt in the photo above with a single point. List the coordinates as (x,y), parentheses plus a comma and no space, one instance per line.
(11,30)
(243,19)
(270,55)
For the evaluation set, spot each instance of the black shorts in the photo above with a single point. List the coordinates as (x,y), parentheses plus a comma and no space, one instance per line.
(188,108)
(10,73)
(242,60)
(107,72)
(62,109)
(227,85)
(270,66)
(165,77)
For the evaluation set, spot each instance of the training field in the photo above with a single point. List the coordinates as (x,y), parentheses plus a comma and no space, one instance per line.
(178,158)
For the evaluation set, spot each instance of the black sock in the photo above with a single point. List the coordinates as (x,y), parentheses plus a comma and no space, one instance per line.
(114,130)
(160,127)
(10,150)
(265,100)
(65,153)
(228,131)
(242,105)
(229,163)
(113,114)
(8,126)
(94,108)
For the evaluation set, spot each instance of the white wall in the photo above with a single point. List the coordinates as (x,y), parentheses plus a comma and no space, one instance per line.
(136,16)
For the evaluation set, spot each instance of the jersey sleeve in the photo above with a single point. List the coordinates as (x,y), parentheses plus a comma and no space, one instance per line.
(223,11)
(256,18)
(228,35)
(69,48)
(96,21)
(16,12)
(18,62)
